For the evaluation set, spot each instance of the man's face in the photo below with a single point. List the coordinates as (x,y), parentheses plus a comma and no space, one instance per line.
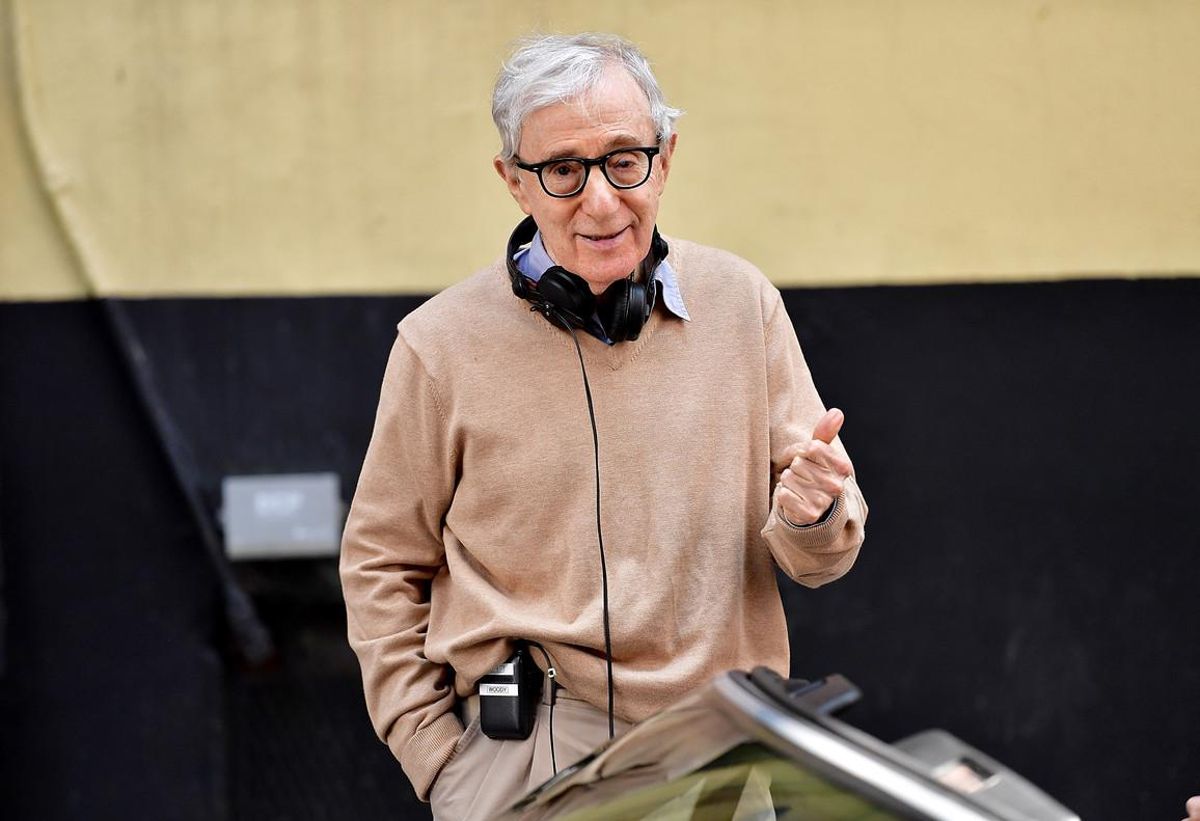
(601,233)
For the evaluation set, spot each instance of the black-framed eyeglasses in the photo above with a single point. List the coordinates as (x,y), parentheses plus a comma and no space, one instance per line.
(624,168)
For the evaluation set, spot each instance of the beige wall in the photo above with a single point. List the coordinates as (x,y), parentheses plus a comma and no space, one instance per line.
(34,260)
(344,147)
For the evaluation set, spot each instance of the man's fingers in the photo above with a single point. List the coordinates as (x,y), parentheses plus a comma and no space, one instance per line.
(824,455)
(792,451)
(829,425)
(816,473)
(814,484)
(818,450)
(800,509)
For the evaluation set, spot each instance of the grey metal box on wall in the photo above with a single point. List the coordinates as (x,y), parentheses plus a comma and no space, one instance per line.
(282,516)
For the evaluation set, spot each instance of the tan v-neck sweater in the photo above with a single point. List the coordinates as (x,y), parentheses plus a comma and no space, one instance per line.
(474,519)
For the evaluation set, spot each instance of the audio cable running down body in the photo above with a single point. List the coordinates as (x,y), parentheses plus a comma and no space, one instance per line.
(587,389)
(551,673)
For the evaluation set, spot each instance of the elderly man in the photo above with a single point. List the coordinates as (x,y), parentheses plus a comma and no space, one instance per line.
(599,448)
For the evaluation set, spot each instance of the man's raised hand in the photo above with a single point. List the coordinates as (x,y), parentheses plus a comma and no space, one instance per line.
(816,474)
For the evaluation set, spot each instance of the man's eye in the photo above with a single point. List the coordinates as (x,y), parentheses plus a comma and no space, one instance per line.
(562,169)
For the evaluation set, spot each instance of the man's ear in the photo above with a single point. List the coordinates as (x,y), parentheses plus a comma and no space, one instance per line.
(512,179)
(665,156)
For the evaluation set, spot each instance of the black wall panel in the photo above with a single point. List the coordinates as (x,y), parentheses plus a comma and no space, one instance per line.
(271,385)
(1028,582)
(1030,573)
(111,701)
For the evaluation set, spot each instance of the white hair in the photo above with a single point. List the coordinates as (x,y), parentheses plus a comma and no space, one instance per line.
(556,68)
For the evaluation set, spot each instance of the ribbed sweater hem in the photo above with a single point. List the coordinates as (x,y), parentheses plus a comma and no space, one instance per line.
(424,754)
(818,535)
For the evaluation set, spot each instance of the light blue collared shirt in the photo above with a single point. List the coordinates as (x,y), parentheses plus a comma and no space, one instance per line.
(534,260)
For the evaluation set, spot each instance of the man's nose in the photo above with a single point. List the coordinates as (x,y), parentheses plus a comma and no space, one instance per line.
(598,196)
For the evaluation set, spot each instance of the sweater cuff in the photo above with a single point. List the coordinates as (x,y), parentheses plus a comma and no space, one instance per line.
(817,534)
(424,754)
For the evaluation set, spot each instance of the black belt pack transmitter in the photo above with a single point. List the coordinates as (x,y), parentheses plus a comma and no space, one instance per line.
(509,696)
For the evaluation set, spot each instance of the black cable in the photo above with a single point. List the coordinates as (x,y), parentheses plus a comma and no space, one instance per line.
(551,674)
(553,759)
(587,389)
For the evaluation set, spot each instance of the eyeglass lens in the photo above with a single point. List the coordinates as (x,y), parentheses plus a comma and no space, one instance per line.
(624,169)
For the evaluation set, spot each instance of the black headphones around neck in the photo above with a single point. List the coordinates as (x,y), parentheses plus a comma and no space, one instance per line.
(566,300)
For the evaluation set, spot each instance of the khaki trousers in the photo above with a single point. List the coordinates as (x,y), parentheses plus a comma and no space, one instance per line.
(484,777)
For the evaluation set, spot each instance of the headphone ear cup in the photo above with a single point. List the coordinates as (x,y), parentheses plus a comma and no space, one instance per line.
(625,310)
(568,294)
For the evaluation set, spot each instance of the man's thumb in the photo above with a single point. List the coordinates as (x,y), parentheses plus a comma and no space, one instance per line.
(829,425)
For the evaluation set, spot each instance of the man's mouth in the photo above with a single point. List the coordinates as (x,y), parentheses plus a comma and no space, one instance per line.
(603,237)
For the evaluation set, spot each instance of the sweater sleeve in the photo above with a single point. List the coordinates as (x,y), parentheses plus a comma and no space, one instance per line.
(818,553)
(391,551)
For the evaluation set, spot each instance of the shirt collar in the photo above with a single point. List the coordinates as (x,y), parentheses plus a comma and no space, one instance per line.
(534,260)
